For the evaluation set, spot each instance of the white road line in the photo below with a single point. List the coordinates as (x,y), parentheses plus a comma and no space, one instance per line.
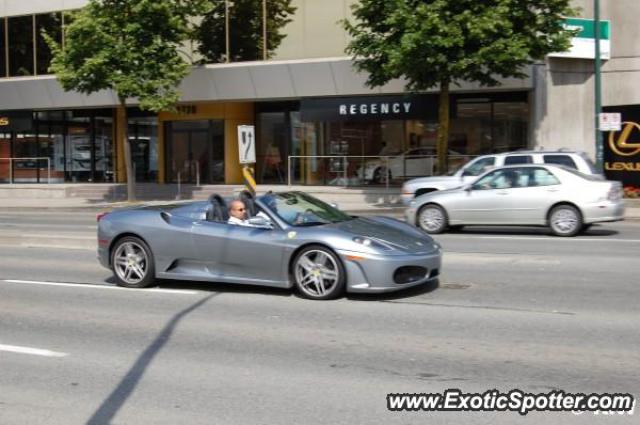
(541,238)
(100,286)
(30,350)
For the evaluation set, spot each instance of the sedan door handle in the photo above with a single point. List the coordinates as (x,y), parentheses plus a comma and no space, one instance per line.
(552,190)
(502,192)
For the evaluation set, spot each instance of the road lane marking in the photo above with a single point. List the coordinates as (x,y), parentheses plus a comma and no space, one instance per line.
(32,351)
(100,286)
(541,238)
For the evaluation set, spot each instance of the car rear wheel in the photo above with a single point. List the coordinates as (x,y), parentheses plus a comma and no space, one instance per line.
(132,263)
(318,273)
(379,177)
(432,219)
(565,220)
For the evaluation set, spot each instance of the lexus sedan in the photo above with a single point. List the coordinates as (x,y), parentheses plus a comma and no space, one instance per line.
(562,198)
(291,240)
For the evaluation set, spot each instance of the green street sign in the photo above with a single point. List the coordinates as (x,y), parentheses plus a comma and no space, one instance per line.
(583,43)
(587,28)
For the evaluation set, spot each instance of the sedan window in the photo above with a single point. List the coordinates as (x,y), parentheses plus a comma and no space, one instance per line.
(540,177)
(501,179)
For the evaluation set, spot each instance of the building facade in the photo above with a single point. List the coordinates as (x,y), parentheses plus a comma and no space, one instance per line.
(316,121)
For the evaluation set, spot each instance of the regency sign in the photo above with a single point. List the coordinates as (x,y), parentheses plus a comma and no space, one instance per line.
(369,108)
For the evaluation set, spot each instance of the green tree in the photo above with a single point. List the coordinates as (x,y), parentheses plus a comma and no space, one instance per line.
(246,20)
(130,47)
(434,43)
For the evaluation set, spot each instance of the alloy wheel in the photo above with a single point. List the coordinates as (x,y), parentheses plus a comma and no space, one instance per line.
(130,263)
(565,221)
(432,219)
(317,273)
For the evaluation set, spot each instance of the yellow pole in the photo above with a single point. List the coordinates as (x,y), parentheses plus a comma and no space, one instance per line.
(249,181)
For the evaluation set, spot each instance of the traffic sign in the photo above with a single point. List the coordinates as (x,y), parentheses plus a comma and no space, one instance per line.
(610,121)
(247,144)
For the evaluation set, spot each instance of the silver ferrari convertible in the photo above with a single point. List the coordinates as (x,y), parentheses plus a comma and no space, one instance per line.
(289,239)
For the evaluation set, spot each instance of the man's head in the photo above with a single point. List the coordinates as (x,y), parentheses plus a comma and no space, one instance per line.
(237,209)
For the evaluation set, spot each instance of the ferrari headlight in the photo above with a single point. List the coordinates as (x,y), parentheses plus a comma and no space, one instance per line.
(371,243)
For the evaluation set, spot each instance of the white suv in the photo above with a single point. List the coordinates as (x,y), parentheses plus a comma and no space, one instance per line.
(472,169)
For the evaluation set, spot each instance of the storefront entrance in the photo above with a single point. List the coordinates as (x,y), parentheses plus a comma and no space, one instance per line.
(195,151)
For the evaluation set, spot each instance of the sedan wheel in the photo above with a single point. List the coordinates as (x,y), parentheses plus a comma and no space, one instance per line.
(318,273)
(432,219)
(565,220)
(132,263)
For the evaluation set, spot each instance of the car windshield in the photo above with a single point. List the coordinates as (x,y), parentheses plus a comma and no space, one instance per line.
(299,209)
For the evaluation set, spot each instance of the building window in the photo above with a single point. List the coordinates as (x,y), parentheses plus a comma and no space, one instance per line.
(3,49)
(51,24)
(21,46)
(143,139)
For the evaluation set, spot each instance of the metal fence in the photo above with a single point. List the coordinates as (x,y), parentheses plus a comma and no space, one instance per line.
(12,169)
(356,170)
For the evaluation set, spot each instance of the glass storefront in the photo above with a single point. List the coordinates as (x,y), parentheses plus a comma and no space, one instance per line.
(78,145)
(365,140)
(195,151)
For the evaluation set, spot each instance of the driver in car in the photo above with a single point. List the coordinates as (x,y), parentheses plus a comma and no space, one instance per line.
(238,213)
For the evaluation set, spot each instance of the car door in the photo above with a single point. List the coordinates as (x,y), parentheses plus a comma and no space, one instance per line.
(417,163)
(240,253)
(486,201)
(541,189)
(254,255)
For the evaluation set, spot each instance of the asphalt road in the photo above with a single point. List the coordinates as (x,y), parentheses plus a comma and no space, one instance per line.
(513,309)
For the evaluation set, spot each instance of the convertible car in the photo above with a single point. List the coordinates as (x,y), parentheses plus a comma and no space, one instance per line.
(292,239)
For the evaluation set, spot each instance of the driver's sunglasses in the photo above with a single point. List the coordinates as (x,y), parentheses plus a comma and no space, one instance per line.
(240,209)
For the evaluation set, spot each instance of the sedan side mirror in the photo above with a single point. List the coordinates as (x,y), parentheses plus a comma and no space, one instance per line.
(468,187)
(261,222)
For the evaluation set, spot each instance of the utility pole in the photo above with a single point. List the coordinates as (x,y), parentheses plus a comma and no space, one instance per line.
(226,31)
(264,30)
(598,87)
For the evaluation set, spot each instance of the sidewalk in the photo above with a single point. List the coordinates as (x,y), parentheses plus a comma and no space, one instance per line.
(632,210)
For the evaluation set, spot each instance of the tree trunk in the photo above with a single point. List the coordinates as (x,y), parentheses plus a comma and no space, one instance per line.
(443,127)
(128,164)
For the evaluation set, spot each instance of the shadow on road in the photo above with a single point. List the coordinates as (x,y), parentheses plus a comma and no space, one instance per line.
(528,231)
(281,292)
(110,407)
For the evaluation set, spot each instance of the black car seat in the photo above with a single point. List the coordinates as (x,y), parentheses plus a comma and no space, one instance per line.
(217,211)
(247,198)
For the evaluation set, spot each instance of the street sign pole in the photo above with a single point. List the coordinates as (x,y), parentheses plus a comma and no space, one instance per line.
(247,151)
(598,87)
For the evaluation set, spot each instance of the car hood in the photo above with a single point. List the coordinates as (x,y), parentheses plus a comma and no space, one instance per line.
(402,237)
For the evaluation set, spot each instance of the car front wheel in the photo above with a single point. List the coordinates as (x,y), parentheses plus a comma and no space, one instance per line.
(432,219)
(318,273)
(565,220)
(132,263)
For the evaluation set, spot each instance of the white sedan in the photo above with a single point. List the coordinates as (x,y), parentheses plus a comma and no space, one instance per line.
(525,195)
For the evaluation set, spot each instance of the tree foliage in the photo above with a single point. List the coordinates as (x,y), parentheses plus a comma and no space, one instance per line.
(130,47)
(245,30)
(432,43)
